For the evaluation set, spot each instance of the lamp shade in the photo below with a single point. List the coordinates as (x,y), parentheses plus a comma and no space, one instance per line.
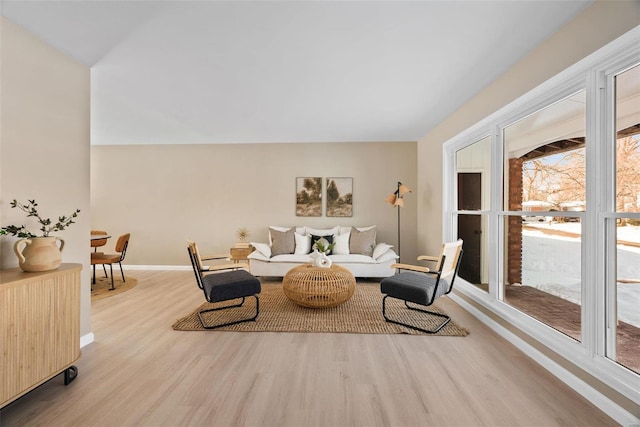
(403,189)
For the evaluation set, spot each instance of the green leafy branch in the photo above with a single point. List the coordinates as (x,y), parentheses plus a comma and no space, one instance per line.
(322,248)
(47,226)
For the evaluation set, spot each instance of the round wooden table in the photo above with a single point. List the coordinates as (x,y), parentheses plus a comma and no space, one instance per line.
(316,287)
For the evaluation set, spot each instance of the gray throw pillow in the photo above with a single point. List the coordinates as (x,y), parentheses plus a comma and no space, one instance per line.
(283,242)
(362,242)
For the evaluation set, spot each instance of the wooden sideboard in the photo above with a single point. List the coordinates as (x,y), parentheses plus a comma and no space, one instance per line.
(39,328)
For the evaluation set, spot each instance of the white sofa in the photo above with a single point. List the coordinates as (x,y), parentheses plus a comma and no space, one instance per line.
(360,255)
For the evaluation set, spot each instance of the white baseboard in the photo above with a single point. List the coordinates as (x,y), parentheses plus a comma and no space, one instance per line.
(603,403)
(87,339)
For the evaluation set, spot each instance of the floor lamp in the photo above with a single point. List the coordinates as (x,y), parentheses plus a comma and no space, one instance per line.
(397,199)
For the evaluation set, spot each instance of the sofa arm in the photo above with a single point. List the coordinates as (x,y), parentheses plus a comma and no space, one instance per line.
(262,248)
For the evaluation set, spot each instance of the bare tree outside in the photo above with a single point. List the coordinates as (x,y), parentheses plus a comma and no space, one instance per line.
(628,174)
(556,178)
(560,178)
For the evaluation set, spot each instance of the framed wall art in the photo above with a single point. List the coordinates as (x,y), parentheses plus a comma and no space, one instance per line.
(309,196)
(340,197)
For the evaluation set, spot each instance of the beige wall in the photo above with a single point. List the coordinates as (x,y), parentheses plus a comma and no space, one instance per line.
(44,144)
(166,194)
(598,25)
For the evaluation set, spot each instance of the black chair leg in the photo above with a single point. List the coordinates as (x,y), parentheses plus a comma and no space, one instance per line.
(93,282)
(104,267)
(121,272)
(428,331)
(206,326)
(113,286)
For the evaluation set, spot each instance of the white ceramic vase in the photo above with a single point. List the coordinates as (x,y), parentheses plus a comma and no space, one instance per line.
(323,261)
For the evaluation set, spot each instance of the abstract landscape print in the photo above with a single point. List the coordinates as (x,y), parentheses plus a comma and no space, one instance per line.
(340,197)
(309,196)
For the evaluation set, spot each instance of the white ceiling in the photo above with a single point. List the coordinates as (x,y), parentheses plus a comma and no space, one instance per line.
(176,72)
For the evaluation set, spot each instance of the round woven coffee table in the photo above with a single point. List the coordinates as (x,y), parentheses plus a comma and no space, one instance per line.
(316,287)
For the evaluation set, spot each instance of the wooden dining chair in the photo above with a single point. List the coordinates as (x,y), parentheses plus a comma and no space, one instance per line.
(96,243)
(121,249)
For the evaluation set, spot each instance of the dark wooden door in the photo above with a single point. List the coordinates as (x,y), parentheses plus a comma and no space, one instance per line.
(470,226)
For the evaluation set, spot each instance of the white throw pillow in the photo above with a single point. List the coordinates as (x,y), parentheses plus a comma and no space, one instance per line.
(341,243)
(263,248)
(380,249)
(387,256)
(303,244)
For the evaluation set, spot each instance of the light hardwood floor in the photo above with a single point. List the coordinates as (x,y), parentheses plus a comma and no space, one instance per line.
(141,372)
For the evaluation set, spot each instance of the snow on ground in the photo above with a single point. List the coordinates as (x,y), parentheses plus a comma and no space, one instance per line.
(629,233)
(552,264)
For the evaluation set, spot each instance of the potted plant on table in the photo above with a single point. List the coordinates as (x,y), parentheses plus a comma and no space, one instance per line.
(40,253)
(323,246)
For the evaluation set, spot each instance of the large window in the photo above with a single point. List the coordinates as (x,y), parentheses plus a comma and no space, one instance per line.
(545,177)
(623,302)
(550,188)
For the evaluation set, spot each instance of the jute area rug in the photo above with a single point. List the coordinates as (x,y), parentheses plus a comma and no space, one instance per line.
(362,314)
(101,289)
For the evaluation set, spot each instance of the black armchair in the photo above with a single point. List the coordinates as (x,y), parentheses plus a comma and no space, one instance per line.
(422,286)
(225,283)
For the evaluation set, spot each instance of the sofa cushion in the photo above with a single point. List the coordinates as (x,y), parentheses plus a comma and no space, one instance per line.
(337,259)
(283,242)
(299,259)
(290,258)
(362,242)
(352,259)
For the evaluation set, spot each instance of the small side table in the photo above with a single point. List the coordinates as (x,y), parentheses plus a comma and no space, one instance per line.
(240,254)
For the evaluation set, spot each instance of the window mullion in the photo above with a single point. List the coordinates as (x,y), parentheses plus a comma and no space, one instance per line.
(496,222)
(593,268)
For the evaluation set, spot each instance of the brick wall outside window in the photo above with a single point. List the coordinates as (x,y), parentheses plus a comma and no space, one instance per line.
(514,223)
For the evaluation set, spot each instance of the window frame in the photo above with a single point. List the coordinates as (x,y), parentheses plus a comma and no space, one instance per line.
(594,74)
(607,297)
(479,212)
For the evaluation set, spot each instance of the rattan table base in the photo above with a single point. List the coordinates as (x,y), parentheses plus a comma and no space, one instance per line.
(317,287)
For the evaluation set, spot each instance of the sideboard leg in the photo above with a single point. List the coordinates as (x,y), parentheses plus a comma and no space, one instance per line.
(70,374)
